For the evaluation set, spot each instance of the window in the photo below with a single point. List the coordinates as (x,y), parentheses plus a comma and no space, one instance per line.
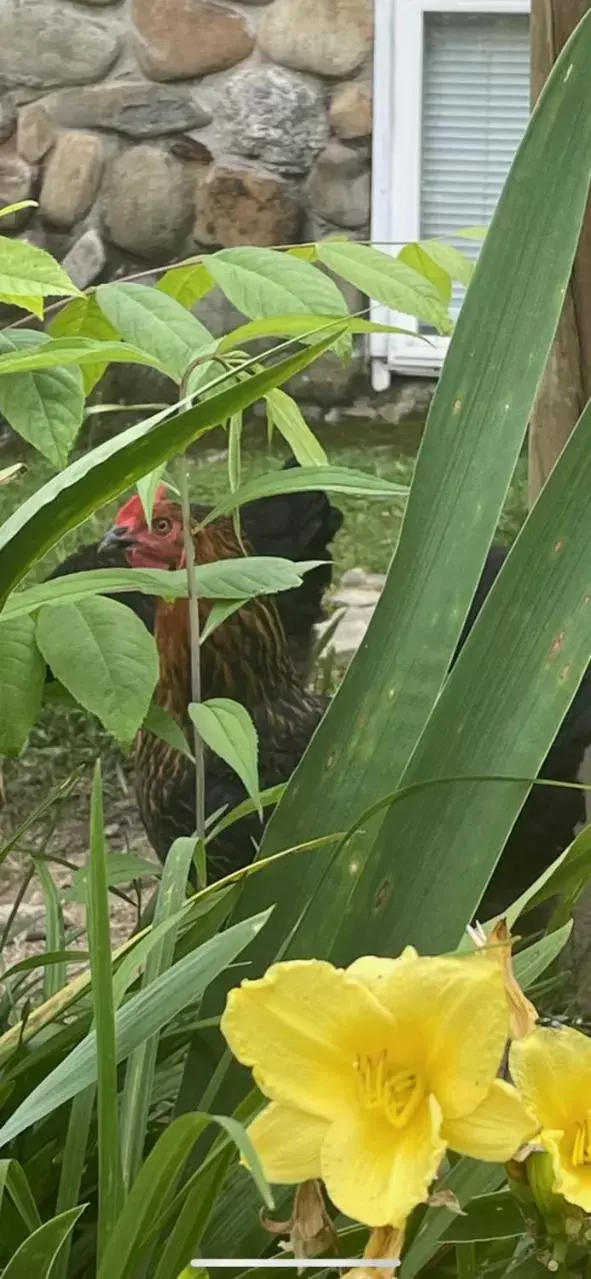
(451,105)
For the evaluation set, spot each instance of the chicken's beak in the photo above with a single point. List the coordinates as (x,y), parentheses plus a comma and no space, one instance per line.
(116,536)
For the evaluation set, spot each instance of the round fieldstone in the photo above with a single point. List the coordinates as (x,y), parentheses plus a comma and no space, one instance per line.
(179,39)
(44,44)
(339,187)
(351,112)
(133,108)
(7,117)
(16,184)
(36,132)
(274,116)
(325,37)
(246,206)
(72,177)
(148,202)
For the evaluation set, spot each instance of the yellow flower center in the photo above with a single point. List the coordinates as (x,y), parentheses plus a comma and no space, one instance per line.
(582,1144)
(396,1093)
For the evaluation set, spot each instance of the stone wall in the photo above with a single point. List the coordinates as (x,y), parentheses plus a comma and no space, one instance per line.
(150,129)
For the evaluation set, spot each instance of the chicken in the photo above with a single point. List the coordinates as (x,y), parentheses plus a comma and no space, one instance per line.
(297,526)
(247,658)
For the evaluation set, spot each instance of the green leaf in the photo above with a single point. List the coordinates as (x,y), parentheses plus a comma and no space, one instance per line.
(303,327)
(141,1017)
(83,318)
(162,725)
(36,305)
(110,1180)
(218,613)
(37,1254)
(49,959)
(186,284)
(120,868)
(529,964)
(466,1180)
(103,654)
(157,1180)
(147,487)
(154,323)
(227,729)
(45,407)
(7,209)
(386,279)
(495,1216)
(22,675)
(263,282)
(392,689)
(457,265)
(331,479)
(290,422)
(73,1167)
(9,473)
(141,1067)
(111,468)
(55,975)
(28,271)
(57,352)
(416,257)
(14,1181)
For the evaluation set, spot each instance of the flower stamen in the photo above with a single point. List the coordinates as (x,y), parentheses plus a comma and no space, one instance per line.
(581,1154)
(396,1093)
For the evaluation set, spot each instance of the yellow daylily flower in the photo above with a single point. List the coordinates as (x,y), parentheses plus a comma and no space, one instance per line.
(552,1071)
(373,1071)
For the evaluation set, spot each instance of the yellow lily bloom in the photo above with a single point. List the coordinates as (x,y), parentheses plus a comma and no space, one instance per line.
(552,1070)
(373,1071)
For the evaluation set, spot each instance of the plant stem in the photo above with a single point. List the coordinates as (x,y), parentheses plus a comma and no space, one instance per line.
(195,639)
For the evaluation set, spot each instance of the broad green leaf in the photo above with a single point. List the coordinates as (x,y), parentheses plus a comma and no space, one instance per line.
(263,282)
(111,468)
(303,327)
(156,1181)
(467,1180)
(57,352)
(386,279)
(416,257)
(186,284)
(38,1253)
(495,1216)
(569,875)
(227,728)
(120,868)
(218,613)
(36,305)
(110,1180)
(141,1066)
(22,675)
(147,487)
(103,654)
(475,428)
(45,407)
(162,725)
(155,323)
(83,318)
(331,479)
(291,424)
(28,271)
(237,579)
(141,1017)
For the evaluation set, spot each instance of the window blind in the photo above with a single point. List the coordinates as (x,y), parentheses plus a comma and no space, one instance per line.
(476,90)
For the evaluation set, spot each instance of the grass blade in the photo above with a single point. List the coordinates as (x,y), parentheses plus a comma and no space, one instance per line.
(37,1254)
(54,976)
(73,1165)
(110,1195)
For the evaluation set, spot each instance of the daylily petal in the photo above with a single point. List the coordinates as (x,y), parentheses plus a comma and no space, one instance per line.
(572,1182)
(301,1027)
(288,1143)
(376,1173)
(373,971)
(552,1070)
(456,1010)
(495,1130)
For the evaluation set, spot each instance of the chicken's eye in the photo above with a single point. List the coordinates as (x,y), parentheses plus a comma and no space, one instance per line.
(162,525)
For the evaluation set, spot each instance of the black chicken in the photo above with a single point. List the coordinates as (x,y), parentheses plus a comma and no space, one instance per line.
(297,526)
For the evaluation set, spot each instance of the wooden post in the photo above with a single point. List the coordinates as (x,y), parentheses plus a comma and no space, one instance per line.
(566,386)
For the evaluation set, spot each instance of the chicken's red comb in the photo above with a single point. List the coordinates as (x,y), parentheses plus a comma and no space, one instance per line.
(132,512)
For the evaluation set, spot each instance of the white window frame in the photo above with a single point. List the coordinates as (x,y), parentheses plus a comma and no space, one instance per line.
(397,137)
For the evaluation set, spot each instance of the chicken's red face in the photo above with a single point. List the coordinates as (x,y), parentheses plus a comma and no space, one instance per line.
(159,545)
